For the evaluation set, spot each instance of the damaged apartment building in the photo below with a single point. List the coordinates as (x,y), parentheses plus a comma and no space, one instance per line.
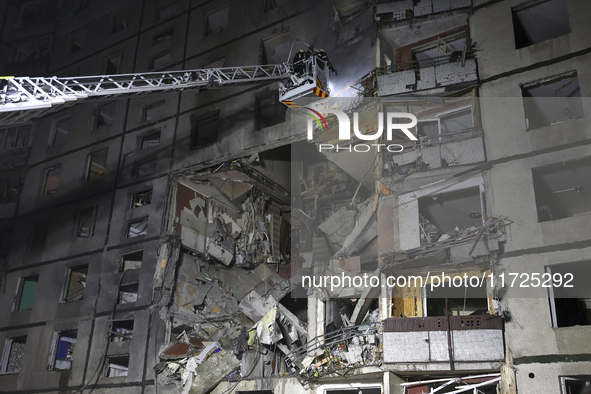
(173,242)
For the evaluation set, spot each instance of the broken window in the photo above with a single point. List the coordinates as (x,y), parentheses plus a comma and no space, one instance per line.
(298,305)
(85,222)
(39,236)
(127,293)
(132,261)
(575,384)
(272,4)
(206,129)
(552,100)
(562,190)
(538,21)
(121,330)
(117,366)
(62,349)
(97,162)
(439,51)
(153,111)
(160,60)
(164,36)
(112,64)
(105,115)
(276,48)
(446,128)
(121,21)
(78,41)
(144,168)
(137,228)
(15,137)
(59,132)
(445,215)
(217,21)
(269,110)
(166,11)
(140,199)
(52,179)
(570,306)
(463,300)
(76,283)
(149,140)
(27,292)
(12,356)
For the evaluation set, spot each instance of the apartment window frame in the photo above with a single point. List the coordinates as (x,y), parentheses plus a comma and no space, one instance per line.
(164,35)
(45,192)
(151,164)
(565,379)
(136,197)
(17,305)
(58,135)
(132,288)
(150,107)
(7,351)
(169,9)
(527,87)
(519,44)
(40,227)
(89,173)
(212,118)
(130,223)
(439,118)
(80,224)
(119,26)
(78,41)
(68,280)
(556,324)
(221,9)
(115,336)
(127,257)
(117,358)
(101,114)
(117,64)
(11,136)
(149,138)
(54,352)
(280,111)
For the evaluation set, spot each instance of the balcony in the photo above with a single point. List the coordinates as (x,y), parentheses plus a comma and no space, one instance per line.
(476,342)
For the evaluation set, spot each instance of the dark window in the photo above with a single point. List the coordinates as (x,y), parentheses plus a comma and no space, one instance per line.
(272,4)
(443,213)
(269,110)
(33,13)
(149,140)
(153,111)
(137,228)
(563,190)
(112,64)
(121,21)
(538,21)
(52,179)
(164,36)
(159,61)
(206,130)
(463,300)
(97,162)
(132,261)
(85,223)
(552,100)
(276,48)
(39,236)
(78,41)
(575,384)
(217,21)
(437,52)
(121,330)
(128,293)
(570,295)
(76,283)
(166,11)
(141,198)
(63,346)
(105,115)
(144,168)
(60,131)
(27,292)
(15,137)
(117,366)
(14,349)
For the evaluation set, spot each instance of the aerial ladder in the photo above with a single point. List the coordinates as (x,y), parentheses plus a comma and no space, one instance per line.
(25,98)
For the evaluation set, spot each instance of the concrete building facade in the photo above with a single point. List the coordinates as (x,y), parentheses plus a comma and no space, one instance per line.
(157,243)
